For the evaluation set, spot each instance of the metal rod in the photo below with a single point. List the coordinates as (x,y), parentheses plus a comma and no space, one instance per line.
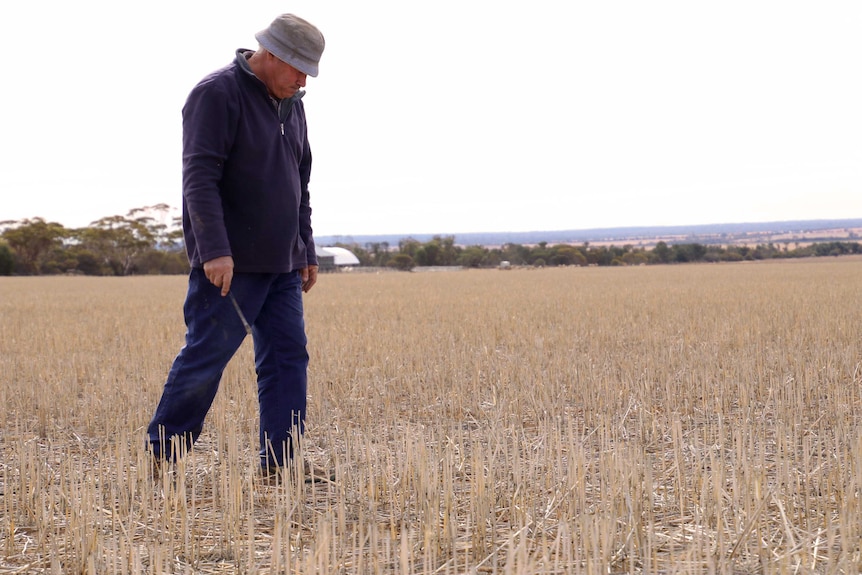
(239,313)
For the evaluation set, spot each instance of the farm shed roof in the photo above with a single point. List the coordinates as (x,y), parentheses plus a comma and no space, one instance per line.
(343,257)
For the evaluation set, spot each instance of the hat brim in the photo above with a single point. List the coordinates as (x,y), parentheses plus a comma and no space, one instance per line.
(294,59)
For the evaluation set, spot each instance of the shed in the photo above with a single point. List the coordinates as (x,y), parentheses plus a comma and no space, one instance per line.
(335,257)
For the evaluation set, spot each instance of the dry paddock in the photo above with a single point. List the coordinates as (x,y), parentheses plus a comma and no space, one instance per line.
(667,419)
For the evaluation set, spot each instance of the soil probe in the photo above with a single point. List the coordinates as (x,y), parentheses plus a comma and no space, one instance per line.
(239,313)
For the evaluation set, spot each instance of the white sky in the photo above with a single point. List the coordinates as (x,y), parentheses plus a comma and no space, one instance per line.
(458,115)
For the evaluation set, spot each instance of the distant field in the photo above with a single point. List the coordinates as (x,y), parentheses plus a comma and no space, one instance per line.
(792,240)
(673,419)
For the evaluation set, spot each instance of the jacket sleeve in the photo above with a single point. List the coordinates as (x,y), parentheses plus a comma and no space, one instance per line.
(305,231)
(208,133)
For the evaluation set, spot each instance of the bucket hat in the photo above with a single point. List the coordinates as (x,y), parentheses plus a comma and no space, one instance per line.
(294,41)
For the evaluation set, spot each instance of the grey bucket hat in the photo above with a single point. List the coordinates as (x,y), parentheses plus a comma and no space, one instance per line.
(294,41)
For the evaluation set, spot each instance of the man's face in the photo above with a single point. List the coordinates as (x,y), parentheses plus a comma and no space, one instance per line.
(285,80)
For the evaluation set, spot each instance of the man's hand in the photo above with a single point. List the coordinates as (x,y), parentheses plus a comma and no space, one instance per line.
(220,273)
(309,277)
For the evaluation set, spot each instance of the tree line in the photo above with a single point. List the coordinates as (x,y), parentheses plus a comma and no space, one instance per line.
(442,251)
(144,241)
(148,241)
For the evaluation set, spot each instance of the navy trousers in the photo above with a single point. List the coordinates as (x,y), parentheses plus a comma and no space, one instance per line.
(272,304)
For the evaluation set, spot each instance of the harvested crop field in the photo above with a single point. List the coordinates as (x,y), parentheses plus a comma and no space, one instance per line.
(662,419)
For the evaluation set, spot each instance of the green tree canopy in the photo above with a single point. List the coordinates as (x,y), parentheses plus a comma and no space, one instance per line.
(402,262)
(118,241)
(31,239)
(7,259)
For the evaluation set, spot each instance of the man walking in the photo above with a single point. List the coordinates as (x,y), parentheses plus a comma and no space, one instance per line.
(247,227)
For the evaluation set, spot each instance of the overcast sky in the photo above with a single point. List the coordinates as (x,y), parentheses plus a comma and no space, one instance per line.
(458,116)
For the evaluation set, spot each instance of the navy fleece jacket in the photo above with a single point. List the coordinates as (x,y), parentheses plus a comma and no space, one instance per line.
(246,166)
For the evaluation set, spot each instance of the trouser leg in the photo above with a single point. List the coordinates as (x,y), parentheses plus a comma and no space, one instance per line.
(213,334)
(281,362)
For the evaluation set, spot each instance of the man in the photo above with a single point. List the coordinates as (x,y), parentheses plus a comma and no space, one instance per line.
(247,228)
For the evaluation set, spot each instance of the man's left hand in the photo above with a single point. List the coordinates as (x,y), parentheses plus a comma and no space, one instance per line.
(309,277)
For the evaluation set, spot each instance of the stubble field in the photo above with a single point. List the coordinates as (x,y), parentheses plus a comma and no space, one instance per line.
(668,419)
